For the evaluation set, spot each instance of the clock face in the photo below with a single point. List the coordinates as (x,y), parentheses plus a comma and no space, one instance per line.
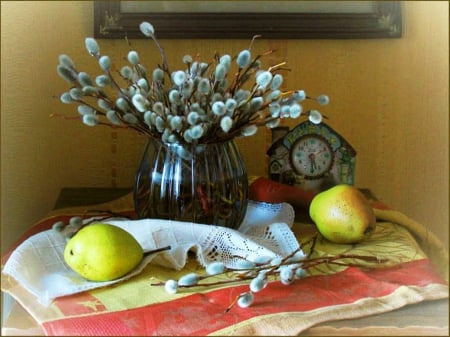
(311,156)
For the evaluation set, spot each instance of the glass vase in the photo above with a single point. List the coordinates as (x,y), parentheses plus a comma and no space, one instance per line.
(204,183)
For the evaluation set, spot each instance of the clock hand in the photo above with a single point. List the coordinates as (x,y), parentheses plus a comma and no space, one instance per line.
(312,159)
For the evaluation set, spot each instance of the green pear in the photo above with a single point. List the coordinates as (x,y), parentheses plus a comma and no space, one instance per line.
(102,252)
(343,214)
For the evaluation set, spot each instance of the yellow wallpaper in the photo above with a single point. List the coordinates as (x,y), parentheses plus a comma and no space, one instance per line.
(389,98)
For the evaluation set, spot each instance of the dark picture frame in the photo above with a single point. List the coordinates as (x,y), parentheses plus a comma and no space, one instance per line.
(385,21)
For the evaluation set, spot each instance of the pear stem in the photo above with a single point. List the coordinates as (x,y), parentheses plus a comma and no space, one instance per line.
(157,250)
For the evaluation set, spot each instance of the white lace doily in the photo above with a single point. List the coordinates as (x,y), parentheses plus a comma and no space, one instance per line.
(38,263)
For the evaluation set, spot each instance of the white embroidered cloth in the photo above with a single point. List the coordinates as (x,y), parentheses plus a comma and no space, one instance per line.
(38,263)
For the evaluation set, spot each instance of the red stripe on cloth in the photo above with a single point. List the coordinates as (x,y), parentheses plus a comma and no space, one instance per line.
(204,313)
(80,304)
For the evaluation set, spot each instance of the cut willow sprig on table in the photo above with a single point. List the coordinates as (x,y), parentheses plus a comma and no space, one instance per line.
(75,223)
(193,280)
(246,270)
(203,103)
(287,269)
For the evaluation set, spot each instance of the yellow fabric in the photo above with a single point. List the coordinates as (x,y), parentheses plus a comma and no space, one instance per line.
(428,241)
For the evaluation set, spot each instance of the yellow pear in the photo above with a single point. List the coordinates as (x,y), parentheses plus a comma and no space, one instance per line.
(343,214)
(102,252)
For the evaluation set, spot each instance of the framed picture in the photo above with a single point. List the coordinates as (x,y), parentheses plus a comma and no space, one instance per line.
(244,19)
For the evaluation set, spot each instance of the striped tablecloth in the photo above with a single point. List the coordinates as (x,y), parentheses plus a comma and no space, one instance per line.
(417,271)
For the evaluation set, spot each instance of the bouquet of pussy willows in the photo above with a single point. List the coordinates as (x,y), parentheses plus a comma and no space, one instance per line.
(183,112)
(203,102)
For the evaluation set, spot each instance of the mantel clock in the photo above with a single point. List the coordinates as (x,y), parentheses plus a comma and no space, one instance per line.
(310,155)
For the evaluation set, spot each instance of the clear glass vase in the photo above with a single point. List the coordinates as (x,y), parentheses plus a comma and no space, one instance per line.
(204,183)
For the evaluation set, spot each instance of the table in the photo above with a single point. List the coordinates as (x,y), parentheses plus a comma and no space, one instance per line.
(425,318)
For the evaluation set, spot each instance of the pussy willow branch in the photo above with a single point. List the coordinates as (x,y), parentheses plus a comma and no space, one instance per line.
(242,72)
(162,52)
(309,263)
(249,274)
